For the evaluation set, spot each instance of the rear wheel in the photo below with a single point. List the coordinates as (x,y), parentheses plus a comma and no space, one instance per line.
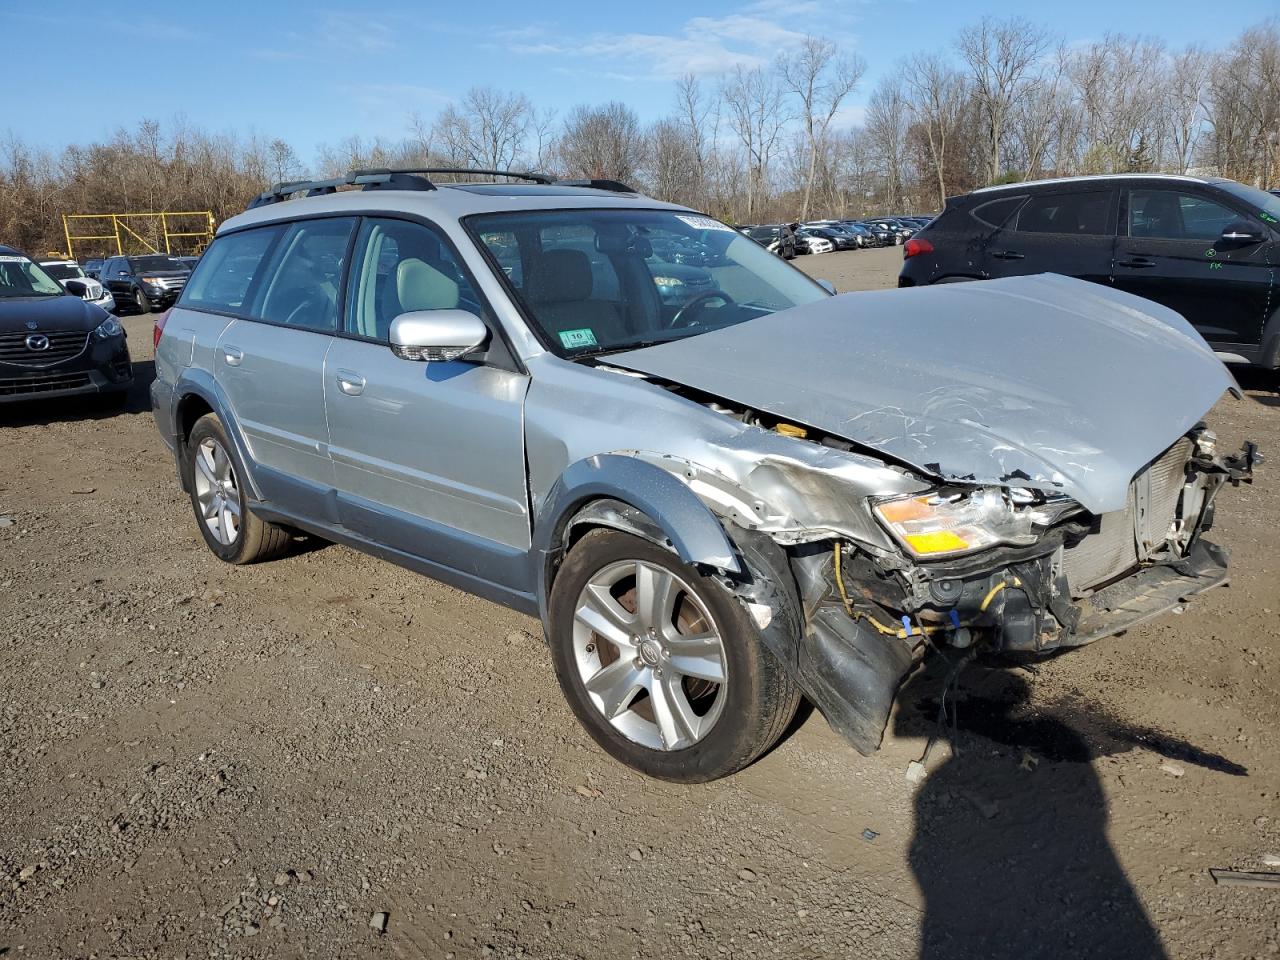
(661,665)
(232,531)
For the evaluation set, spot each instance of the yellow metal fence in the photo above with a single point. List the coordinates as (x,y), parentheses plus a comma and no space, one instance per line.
(183,231)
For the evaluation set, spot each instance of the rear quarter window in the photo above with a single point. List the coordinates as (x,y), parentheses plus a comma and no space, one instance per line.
(225,274)
(1073,214)
(996,213)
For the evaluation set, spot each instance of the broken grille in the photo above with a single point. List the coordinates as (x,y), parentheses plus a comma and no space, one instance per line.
(1125,538)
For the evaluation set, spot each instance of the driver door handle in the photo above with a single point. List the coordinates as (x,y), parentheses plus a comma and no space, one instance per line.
(350,383)
(232,355)
(1136,262)
(1008,255)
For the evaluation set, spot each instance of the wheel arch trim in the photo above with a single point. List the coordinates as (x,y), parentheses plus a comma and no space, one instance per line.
(197,383)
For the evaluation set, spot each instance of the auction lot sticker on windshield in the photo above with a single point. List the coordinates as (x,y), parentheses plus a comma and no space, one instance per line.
(573,339)
(704,223)
(12,259)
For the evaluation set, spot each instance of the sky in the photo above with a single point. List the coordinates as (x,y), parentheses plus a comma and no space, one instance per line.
(313,74)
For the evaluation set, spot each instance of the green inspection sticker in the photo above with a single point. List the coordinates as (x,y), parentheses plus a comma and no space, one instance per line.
(572,339)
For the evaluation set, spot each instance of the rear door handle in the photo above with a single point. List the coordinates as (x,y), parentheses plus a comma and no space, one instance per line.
(350,383)
(233,355)
(1008,255)
(1136,262)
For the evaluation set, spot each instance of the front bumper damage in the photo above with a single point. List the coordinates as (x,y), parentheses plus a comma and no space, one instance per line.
(851,622)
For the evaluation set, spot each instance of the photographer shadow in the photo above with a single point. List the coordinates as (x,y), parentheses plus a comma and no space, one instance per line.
(1010,848)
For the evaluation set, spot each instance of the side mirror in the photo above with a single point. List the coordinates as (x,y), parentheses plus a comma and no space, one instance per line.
(1241,233)
(828,286)
(76,287)
(437,334)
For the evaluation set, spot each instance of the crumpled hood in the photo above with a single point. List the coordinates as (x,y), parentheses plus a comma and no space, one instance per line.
(1045,382)
(48,314)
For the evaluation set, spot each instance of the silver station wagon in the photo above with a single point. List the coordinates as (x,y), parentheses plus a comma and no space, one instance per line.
(720,488)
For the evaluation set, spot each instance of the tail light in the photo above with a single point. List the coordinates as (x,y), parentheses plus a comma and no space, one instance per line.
(159,328)
(916,246)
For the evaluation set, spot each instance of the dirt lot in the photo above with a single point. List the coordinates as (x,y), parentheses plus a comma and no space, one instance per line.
(204,760)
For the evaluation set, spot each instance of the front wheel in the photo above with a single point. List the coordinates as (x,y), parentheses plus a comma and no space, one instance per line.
(661,665)
(141,302)
(230,529)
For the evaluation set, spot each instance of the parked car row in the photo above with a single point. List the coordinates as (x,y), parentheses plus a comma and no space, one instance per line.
(828,236)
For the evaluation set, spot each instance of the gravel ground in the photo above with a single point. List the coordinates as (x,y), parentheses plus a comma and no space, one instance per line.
(329,756)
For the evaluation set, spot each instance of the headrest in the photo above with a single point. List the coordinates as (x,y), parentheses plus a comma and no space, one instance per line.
(559,275)
(421,286)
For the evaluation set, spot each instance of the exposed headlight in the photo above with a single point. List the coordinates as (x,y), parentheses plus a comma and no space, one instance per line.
(108,328)
(940,524)
(668,281)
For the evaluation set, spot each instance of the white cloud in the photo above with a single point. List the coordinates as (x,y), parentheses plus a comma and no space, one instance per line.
(701,45)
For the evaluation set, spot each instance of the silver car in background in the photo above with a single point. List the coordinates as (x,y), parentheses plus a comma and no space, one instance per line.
(715,500)
(94,291)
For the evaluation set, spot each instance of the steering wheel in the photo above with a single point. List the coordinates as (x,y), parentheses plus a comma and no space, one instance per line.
(306,305)
(687,315)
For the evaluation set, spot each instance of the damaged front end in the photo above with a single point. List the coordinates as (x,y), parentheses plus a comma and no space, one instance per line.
(850,602)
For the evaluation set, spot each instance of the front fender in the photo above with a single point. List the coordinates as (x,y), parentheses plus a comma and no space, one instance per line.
(195,382)
(694,531)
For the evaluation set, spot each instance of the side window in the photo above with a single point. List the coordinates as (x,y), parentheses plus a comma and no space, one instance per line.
(994,213)
(111,268)
(400,267)
(1077,214)
(224,274)
(1170,215)
(300,283)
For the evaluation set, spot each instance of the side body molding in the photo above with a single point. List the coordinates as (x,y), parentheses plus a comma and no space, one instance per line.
(694,531)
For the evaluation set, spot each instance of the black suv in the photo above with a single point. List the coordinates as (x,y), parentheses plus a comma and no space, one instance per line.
(52,342)
(1205,247)
(145,283)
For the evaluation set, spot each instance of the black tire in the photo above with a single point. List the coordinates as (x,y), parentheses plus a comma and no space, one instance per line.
(257,539)
(761,697)
(140,302)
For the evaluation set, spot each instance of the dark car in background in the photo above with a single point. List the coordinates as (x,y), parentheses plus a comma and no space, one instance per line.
(54,343)
(145,283)
(881,234)
(775,238)
(92,267)
(1205,247)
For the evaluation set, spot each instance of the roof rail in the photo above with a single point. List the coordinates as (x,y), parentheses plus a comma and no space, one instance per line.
(541,178)
(614,186)
(369,179)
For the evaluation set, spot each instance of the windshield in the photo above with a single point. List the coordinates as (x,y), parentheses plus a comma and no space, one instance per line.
(157,263)
(63,271)
(595,281)
(19,277)
(1266,205)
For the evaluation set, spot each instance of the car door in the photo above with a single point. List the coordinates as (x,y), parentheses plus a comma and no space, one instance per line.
(1071,232)
(270,362)
(1170,251)
(428,456)
(117,278)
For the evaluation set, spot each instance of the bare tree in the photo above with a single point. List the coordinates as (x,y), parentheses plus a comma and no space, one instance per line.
(757,114)
(486,129)
(820,80)
(887,122)
(1001,55)
(1184,100)
(936,97)
(602,142)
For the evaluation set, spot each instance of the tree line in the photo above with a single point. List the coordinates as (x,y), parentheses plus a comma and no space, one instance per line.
(1008,102)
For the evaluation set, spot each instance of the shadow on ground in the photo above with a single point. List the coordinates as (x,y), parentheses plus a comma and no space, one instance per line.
(1011,849)
(1262,385)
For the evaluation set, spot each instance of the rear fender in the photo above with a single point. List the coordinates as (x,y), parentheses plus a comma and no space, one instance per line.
(197,383)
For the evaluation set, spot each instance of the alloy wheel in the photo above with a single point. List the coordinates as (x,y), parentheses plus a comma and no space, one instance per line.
(217,492)
(649,655)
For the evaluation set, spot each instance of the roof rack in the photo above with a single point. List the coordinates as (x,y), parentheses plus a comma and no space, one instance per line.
(613,186)
(414,178)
